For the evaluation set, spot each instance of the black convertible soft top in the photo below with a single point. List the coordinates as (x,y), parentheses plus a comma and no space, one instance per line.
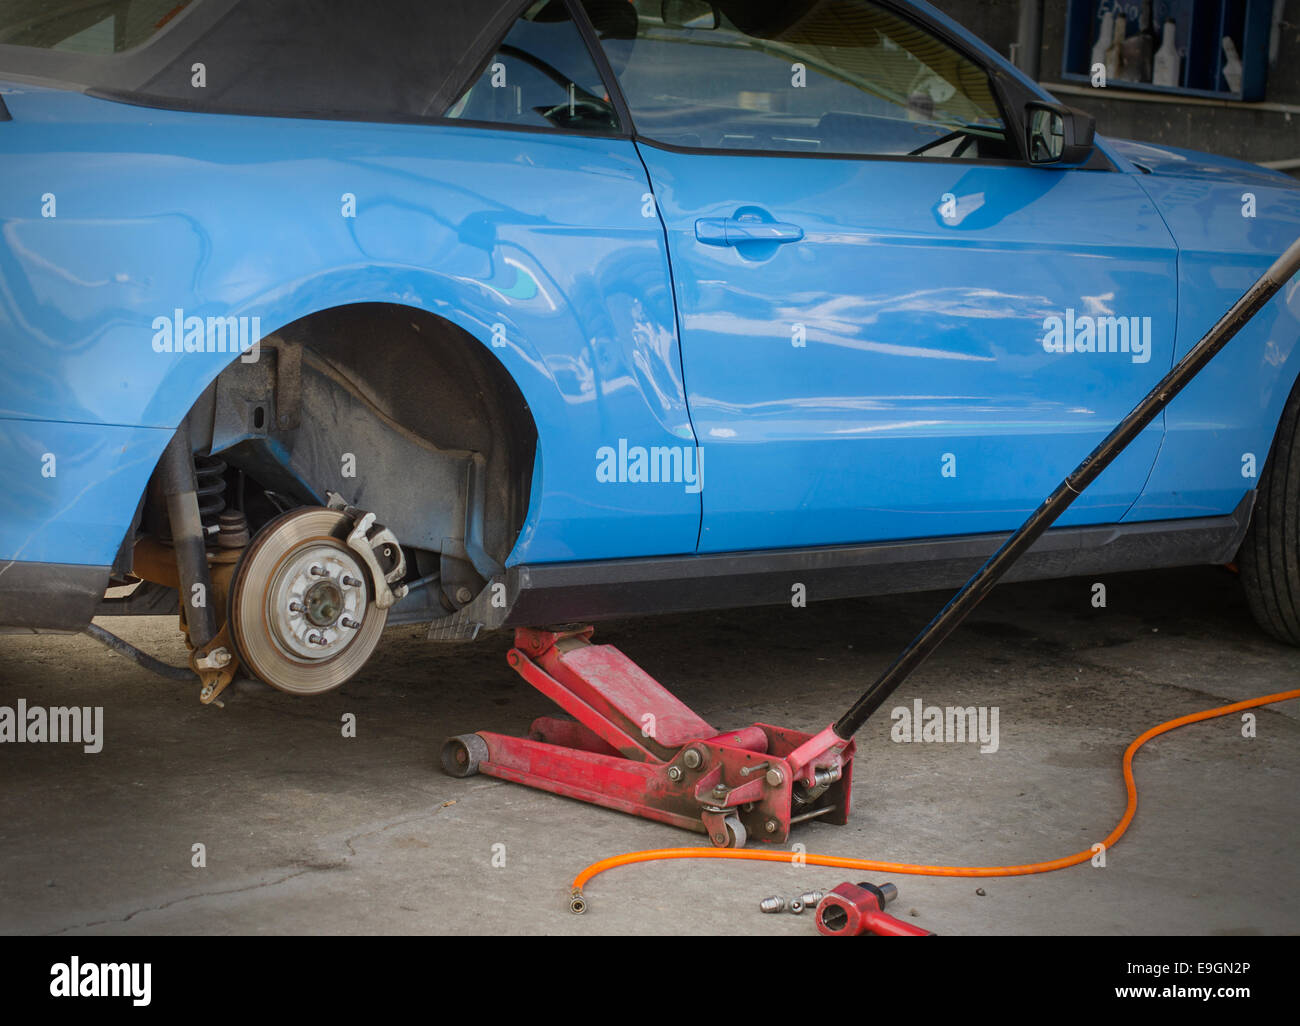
(392,59)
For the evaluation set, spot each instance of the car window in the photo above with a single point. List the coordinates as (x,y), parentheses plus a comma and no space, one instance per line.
(76,26)
(823,76)
(399,60)
(541,75)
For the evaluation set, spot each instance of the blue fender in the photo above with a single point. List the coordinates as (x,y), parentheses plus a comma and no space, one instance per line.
(537,245)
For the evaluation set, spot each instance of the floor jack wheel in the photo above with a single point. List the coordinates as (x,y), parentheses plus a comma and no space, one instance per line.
(737,836)
(302,610)
(462,754)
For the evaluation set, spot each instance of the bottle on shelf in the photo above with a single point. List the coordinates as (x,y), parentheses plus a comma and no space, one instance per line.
(1115,52)
(1231,65)
(1104,38)
(1167,64)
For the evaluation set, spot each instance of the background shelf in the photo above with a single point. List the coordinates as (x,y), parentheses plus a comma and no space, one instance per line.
(1201,26)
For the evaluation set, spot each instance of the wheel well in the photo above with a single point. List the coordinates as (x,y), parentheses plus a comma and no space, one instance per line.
(440,383)
(441,440)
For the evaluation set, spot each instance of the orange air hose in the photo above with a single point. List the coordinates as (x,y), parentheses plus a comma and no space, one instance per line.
(578,902)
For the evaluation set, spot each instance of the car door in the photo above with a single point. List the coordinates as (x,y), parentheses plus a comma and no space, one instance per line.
(892,326)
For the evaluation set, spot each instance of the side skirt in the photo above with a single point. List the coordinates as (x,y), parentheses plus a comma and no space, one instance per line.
(57,596)
(557,593)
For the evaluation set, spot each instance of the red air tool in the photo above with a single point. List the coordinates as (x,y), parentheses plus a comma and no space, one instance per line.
(854,909)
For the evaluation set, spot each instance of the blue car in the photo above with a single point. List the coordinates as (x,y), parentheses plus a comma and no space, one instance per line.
(478,313)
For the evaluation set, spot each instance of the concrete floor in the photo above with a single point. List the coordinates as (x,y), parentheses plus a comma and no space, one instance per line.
(309,832)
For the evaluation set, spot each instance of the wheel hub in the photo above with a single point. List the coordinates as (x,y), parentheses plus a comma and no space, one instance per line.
(323,602)
(317,601)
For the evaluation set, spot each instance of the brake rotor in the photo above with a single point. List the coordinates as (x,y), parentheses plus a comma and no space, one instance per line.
(302,608)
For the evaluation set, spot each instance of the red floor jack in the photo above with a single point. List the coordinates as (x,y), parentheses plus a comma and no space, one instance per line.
(636,748)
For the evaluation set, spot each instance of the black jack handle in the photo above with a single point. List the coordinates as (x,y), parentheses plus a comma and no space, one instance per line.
(988,575)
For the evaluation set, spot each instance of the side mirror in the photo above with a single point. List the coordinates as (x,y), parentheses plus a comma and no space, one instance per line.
(689,14)
(1058,135)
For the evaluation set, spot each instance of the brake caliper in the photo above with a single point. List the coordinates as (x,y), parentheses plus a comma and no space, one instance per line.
(378,548)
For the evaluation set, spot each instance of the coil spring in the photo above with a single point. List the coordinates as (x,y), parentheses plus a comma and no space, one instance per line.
(209,473)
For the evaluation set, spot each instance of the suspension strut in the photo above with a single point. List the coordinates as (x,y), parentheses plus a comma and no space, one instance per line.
(180,487)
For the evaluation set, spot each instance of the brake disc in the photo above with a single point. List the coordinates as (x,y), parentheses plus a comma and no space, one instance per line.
(303,613)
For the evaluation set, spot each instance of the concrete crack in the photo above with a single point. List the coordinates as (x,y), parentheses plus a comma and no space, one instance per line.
(348,842)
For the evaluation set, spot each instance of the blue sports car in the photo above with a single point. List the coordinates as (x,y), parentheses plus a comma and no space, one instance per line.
(317,317)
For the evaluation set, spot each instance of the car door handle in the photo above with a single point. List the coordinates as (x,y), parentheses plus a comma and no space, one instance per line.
(735,231)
